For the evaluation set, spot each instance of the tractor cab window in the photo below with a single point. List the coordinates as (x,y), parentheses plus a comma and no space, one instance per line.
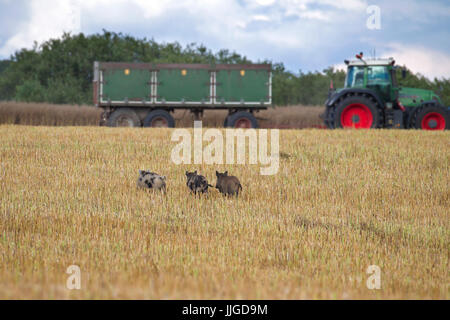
(377,75)
(355,77)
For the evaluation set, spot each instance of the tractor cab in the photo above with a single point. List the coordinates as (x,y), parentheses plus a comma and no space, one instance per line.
(376,74)
(373,72)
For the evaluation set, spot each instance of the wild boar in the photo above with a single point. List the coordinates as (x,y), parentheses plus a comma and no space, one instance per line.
(197,183)
(228,185)
(151,180)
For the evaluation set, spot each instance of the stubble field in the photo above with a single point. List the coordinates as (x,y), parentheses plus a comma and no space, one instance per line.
(342,200)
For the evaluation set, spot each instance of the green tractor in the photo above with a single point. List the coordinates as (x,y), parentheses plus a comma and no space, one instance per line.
(372,98)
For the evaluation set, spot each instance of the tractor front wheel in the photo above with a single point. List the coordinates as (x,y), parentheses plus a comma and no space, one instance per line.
(357,112)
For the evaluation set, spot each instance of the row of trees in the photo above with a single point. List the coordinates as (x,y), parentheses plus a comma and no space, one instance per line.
(60,70)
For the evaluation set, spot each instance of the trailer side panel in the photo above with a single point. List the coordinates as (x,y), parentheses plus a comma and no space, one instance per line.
(178,86)
(243,87)
(170,86)
(127,84)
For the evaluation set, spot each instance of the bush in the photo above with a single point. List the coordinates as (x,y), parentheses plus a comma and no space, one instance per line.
(30,91)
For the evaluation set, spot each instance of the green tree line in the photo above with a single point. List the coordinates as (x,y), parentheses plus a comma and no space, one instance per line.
(61,70)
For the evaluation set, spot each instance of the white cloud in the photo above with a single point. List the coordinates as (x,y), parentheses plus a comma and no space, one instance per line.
(417,11)
(262,2)
(225,21)
(340,66)
(428,62)
(49,19)
(303,7)
(260,17)
(153,9)
(315,14)
(303,34)
(352,5)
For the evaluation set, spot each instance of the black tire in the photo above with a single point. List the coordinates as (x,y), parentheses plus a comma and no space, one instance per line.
(159,119)
(123,117)
(432,117)
(103,118)
(242,119)
(328,117)
(357,112)
(411,117)
(225,122)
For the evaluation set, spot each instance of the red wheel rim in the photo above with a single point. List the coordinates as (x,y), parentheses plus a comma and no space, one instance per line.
(356,115)
(433,121)
(159,122)
(243,123)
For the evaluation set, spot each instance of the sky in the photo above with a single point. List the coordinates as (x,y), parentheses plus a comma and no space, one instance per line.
(305,35)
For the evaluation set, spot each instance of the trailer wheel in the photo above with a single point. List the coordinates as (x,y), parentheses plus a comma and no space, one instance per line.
(225,122)
(242,119)
(123,117)
(159,119)
(432,118)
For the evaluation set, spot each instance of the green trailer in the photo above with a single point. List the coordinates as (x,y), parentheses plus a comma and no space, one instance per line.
(145,94)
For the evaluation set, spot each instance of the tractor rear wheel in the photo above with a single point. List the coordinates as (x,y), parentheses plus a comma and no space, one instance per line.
(432,117)
(123,117)
(357,112)
(159,119)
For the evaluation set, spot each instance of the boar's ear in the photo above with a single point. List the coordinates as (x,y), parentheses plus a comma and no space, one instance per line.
(195,172)
(187,173)
(141,172)
(225,173)
(164,178)
(217,173)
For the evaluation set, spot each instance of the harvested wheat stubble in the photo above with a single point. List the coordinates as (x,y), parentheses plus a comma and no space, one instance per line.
(68,196)
(42,114)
